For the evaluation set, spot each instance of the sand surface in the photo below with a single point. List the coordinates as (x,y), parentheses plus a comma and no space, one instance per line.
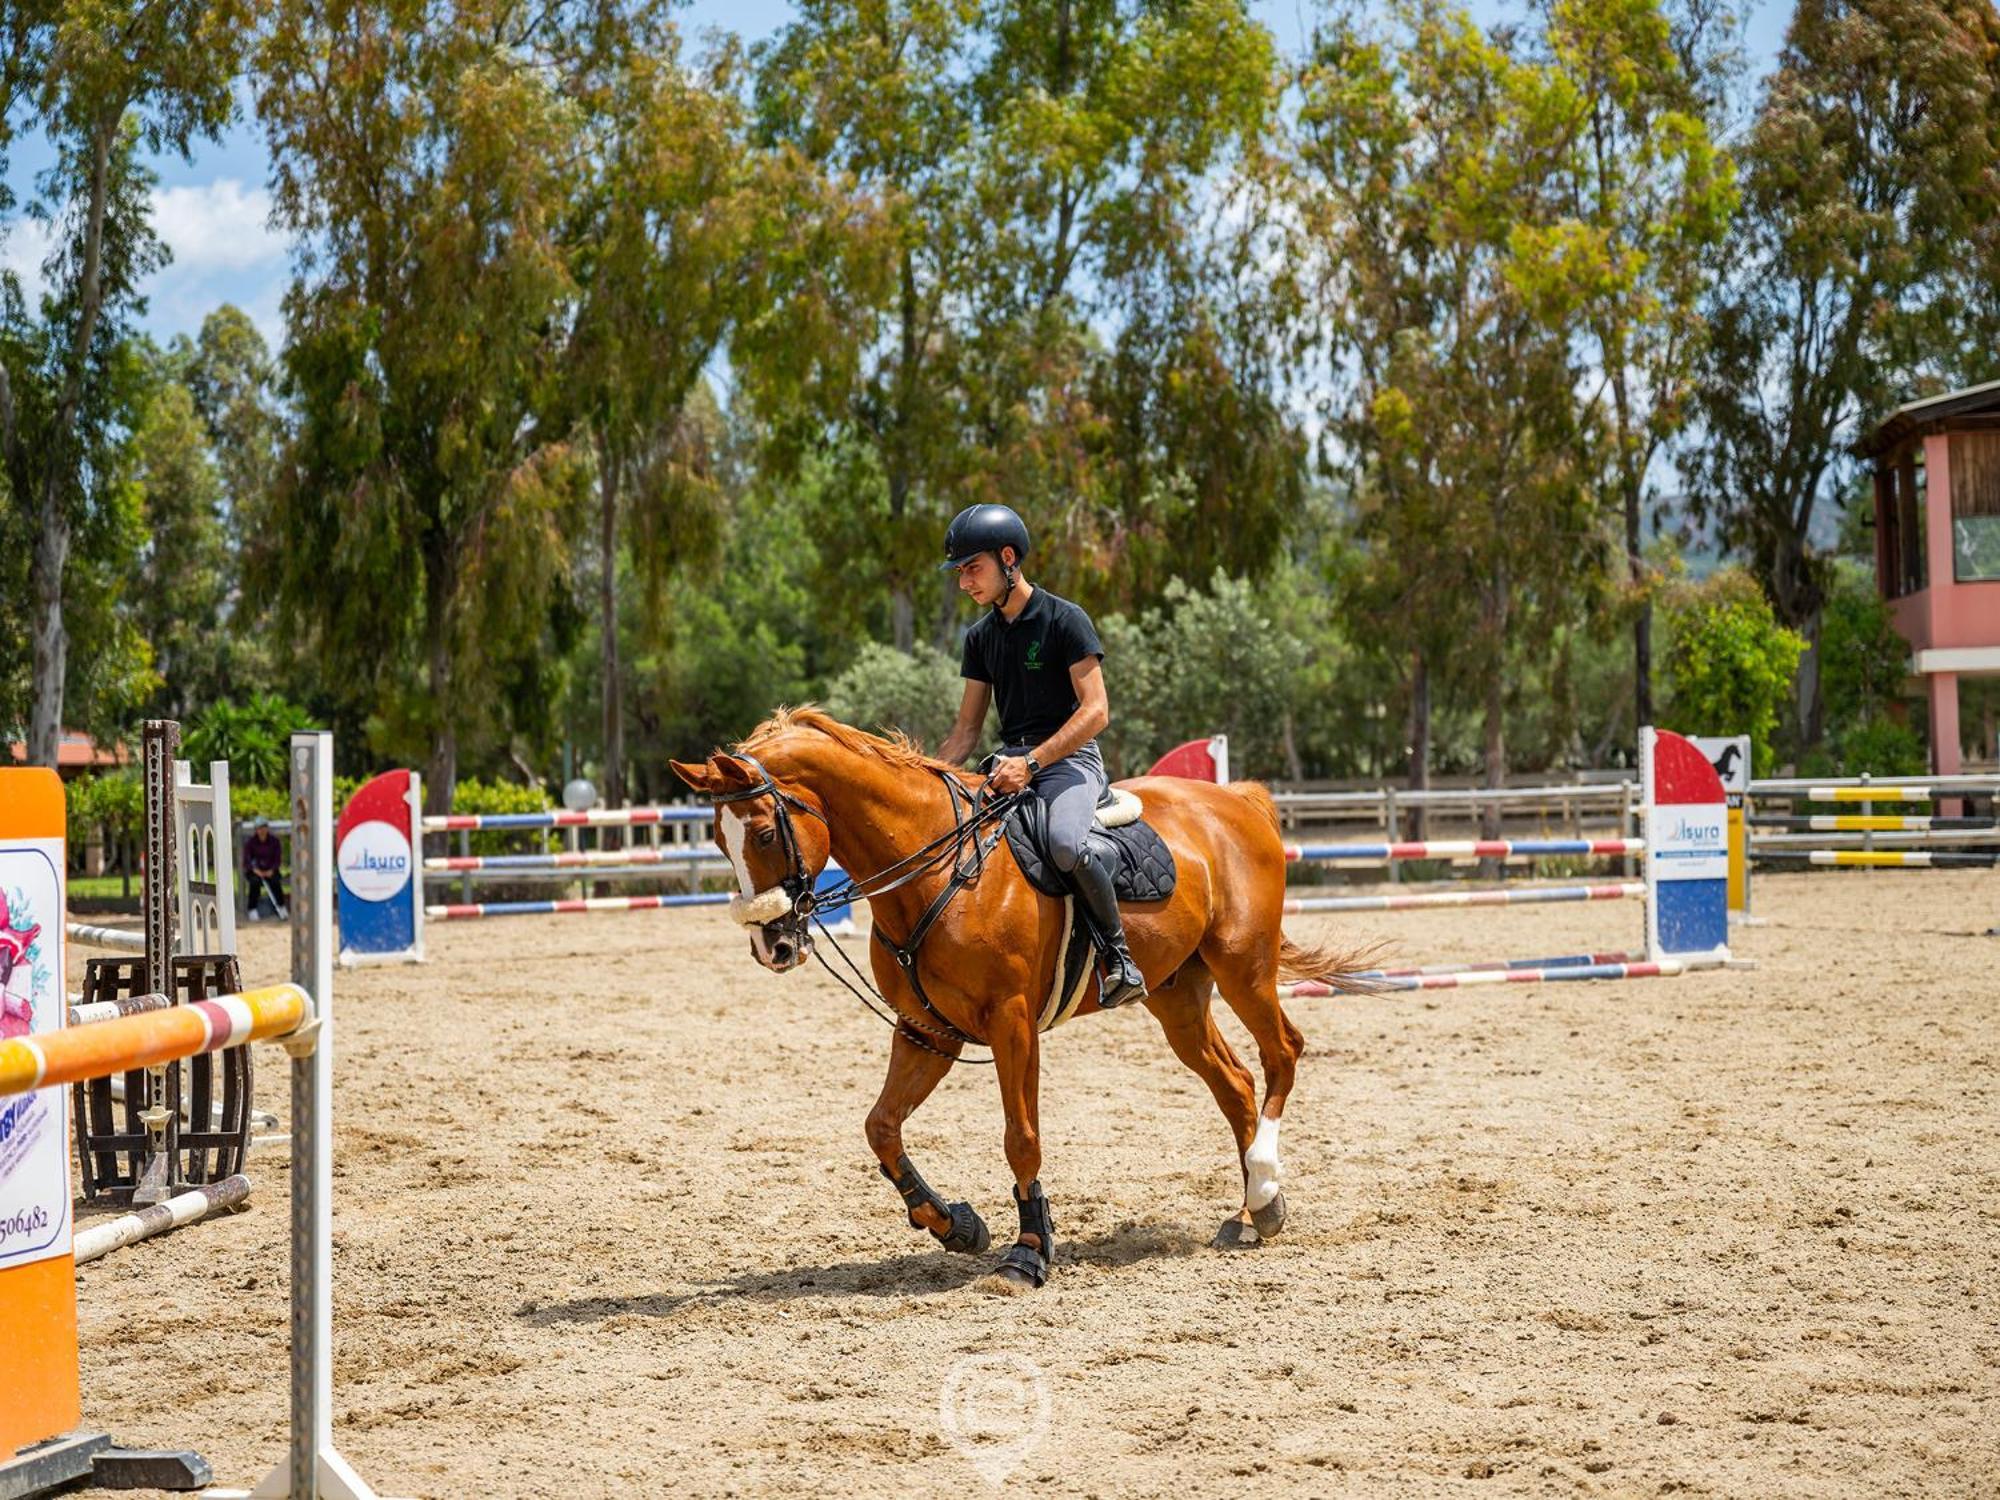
(607,1226)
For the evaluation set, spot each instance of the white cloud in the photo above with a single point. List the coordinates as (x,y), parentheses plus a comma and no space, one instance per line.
(24,245)
(224,250)
(216,226)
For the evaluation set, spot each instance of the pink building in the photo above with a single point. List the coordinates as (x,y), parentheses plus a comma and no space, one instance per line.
(1937,545)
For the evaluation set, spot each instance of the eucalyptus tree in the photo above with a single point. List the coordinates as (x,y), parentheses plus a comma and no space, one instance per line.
(101,79)
(426,159)
(1861,267)
(856,352)
(1021,312)
(669,229)
(1120,371)
(186,570)
(1446,314)
(1646,197)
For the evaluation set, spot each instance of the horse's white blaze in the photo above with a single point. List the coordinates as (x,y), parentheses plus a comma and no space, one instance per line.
(729,833)
(1260,1164)
(753,908)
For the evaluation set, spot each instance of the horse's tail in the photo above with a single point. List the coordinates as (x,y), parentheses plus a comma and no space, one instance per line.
(1323,963)
(1329,964)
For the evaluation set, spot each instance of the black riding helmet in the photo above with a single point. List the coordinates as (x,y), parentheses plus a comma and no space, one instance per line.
(984,528)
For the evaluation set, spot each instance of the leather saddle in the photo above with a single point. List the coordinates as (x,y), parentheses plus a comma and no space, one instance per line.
(1144,866)
(1143,871)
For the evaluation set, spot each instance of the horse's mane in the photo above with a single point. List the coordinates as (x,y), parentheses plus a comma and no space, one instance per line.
(896,750)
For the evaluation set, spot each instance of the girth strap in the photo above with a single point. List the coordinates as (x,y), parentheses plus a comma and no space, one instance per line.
(971,865)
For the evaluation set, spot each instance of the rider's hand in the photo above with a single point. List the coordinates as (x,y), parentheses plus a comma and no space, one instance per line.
(1009,775)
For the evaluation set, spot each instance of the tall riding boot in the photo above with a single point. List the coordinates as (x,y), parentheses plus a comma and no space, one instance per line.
(1092,878)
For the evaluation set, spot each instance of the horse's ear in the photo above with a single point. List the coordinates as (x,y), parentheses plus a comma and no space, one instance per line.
(699,776)
(731,772)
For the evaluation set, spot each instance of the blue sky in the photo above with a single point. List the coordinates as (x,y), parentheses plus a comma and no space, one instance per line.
(213,211)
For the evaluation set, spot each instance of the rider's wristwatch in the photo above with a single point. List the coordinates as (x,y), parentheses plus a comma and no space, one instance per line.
(1034,766)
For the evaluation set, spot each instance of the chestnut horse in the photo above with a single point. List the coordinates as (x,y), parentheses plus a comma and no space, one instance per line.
(805,788)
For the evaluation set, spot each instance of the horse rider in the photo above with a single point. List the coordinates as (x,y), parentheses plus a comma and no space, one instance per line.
(1040,656)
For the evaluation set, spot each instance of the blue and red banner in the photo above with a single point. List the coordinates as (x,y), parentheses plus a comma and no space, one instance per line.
(376,845)
(1687,848)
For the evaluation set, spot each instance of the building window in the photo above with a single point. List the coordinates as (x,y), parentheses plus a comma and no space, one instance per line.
(1911,570)
(1975,506)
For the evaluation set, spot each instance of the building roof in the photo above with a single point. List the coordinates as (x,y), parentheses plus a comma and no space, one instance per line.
(76,751)
(1914,416)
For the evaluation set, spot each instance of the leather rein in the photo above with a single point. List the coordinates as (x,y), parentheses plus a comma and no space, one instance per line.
(962,847)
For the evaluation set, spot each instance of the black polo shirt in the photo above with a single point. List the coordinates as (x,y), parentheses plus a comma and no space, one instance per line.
(1027,661)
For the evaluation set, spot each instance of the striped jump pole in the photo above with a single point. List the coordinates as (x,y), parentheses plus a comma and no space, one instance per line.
(573,859)
(473,910)
(1882,859)
(106,937)
(1860,794)
(151,1038)
(1874,823)
(99,1240)
(1464,849)
(1664,968)
(92,1012)
(1562,961)
(1622,890)
(596,817)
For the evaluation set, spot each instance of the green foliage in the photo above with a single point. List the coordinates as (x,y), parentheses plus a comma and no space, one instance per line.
(1728,664)
(254,737)
(101,81)
(1205,661)
(1879,747)
(475,796)
(1863,661)
(425,525)
(1859,272)
(916,691)
(112,806)
(1437,226)
(186,571)
(274,802)
(1015,288)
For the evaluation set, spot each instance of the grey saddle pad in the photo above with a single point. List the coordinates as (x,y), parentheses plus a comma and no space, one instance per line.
(1145,869)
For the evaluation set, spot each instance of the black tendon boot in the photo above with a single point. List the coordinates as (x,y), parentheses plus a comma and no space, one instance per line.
(1092,877)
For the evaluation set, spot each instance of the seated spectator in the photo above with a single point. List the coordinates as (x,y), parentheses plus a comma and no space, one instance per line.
(262,854)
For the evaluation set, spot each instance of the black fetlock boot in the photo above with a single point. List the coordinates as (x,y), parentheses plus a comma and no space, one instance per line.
(1092,878)
(1025,1265)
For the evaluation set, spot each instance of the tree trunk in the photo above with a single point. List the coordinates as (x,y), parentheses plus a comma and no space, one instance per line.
(1294,767)
(1798,601)
(441,771)
(1494,726)
(1811,701)
(613,683)
(51,639)
(902,605)
(1642,627)
(51,557)
(1420,742)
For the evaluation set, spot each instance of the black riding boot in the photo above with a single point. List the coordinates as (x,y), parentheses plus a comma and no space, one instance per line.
(1092,878)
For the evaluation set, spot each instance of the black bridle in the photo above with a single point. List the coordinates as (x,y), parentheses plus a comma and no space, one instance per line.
(806,903)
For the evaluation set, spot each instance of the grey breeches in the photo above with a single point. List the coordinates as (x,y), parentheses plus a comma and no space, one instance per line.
(1070,789)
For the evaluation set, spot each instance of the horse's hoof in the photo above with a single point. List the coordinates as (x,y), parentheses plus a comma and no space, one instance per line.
(968,1234)
(1021,1269)
(1271,1217)
(1005,1282)
(1236,1235)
